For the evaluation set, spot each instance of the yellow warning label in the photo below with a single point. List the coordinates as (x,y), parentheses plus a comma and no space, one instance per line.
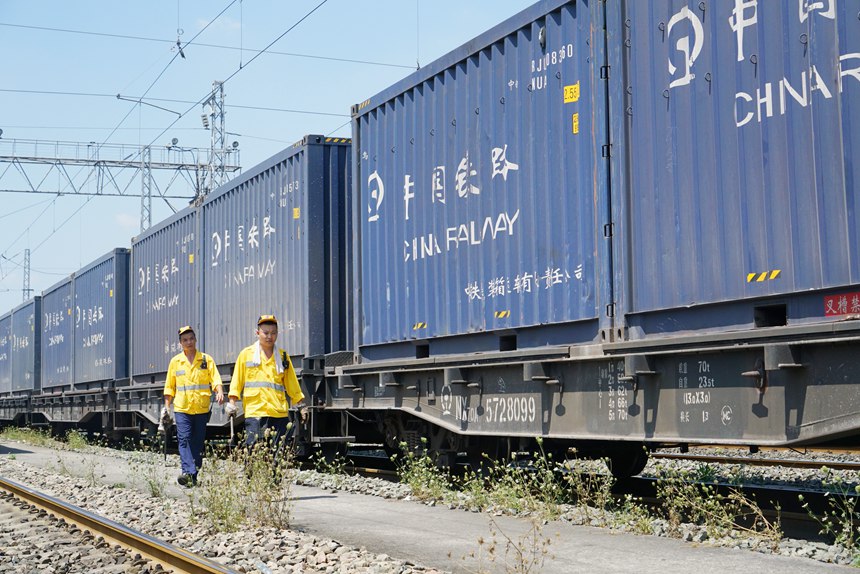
(419,325)
(191,258)
(110,294)
(297,212)
(503,314)
(69,311)
(571,93)
(757,277)
(576,123)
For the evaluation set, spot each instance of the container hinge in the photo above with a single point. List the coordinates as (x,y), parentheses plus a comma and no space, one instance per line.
(608,230)
(610,310)
(606,150)
(604,72)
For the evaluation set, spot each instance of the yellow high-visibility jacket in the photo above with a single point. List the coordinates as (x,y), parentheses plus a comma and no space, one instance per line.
(261,388)
(190,385)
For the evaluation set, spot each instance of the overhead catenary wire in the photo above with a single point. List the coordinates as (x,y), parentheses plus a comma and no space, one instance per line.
(240,49)
(168,100)
(38,203)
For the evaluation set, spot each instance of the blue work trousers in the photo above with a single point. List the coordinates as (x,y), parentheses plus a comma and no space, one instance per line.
(278,434)
(191,432)
(255,429)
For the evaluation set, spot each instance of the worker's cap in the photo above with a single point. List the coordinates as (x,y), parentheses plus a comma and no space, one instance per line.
(185,329)
(266,319)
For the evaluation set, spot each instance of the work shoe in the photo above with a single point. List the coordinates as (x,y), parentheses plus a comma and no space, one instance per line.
(186,480)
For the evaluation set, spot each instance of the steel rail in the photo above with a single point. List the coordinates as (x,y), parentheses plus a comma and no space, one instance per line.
(785,462)
(156,550)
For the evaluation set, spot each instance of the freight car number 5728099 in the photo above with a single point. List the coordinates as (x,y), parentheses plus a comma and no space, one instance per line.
(510,409)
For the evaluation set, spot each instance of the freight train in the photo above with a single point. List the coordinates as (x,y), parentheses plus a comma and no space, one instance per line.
(615,225)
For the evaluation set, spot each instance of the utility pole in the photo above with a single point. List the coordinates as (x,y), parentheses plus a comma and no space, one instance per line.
(27,289)
(145,189)
(215,121)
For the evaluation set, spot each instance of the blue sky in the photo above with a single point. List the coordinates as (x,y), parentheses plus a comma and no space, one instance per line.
(129,48)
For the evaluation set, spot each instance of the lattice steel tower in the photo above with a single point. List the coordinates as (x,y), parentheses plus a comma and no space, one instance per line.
(214,119)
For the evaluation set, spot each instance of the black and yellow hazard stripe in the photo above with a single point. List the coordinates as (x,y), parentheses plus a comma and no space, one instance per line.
(757,277)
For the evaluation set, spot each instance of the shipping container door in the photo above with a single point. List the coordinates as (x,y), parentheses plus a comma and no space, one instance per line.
(482,185)
(5,353)
(164,292)
(101,312)
(26,333)
(57,335)
(736,129)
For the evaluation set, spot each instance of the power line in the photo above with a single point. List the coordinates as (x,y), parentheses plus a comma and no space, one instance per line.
(168,100)
(24,208)
(239,69)
(218,46)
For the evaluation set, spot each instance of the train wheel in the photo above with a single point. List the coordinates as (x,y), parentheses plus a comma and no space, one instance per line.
(626,462)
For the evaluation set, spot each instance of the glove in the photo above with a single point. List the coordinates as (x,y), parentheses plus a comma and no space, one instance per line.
(165,420)
(230,410)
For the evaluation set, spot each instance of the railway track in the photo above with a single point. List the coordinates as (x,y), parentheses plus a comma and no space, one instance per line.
(103,534)
(753,461)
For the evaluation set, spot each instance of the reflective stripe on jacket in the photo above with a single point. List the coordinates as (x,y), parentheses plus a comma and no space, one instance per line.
(190,385)
(261,388)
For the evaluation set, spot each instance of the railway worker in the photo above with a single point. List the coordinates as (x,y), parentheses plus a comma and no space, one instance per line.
(191,378)
(263,378)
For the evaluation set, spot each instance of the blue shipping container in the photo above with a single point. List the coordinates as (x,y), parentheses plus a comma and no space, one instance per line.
(57,335)
(101,319)
(6,353)
(26,337)
(483,190)
(734,175)
(277,242)
(165,292)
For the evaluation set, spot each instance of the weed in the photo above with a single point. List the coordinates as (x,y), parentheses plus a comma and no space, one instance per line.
(222,502)
(841,519)
(336,467)
(592,492)
(29,436)
(685,500)
(420,472)
(76,440)
(12,456)
(61,466)
(251,486)
(91,472)
(529,485)
(739,475)
(705,473)
(634,516)
(475,488)
(520,555)
(147,470)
